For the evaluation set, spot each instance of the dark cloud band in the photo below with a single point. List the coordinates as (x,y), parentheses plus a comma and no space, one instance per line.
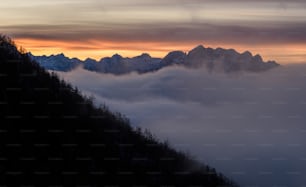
(167,32)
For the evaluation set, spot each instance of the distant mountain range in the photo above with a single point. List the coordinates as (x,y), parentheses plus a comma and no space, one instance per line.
(215,60)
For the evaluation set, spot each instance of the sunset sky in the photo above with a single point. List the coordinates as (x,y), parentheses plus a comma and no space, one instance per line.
(276,29)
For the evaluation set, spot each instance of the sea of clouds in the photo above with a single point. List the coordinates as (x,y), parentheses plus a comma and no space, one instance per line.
(249,126)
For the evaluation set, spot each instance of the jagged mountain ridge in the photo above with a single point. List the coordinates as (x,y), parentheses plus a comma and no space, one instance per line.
(215,60)
(119,65)
(57,62)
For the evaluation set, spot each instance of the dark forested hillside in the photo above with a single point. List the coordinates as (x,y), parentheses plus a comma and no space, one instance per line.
(52,135)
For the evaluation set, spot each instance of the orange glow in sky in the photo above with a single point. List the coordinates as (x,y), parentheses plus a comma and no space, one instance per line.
(294,53)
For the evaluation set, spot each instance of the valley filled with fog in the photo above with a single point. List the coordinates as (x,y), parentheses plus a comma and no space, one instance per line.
(249,126)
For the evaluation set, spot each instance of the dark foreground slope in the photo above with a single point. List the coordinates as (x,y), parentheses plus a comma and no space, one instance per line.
(51,135)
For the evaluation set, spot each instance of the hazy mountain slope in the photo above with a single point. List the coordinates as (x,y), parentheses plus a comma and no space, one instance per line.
(51,135)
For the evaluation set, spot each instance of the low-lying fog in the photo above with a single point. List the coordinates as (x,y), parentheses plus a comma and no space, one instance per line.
(251,127)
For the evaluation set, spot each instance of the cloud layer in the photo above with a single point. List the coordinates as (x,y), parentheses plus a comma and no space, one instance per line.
(249,126)
(183,32)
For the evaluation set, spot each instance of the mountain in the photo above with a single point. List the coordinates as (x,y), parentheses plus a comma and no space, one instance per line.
(51,135)
(174,58)
(219,60)
(215,60)
(115,64)
(119,65)
(222,60)
(57,62)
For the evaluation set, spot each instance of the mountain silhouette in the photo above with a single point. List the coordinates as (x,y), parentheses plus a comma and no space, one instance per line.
(51,135)
(214,60)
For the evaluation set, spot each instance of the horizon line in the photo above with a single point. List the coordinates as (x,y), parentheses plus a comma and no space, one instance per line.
(294,53)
